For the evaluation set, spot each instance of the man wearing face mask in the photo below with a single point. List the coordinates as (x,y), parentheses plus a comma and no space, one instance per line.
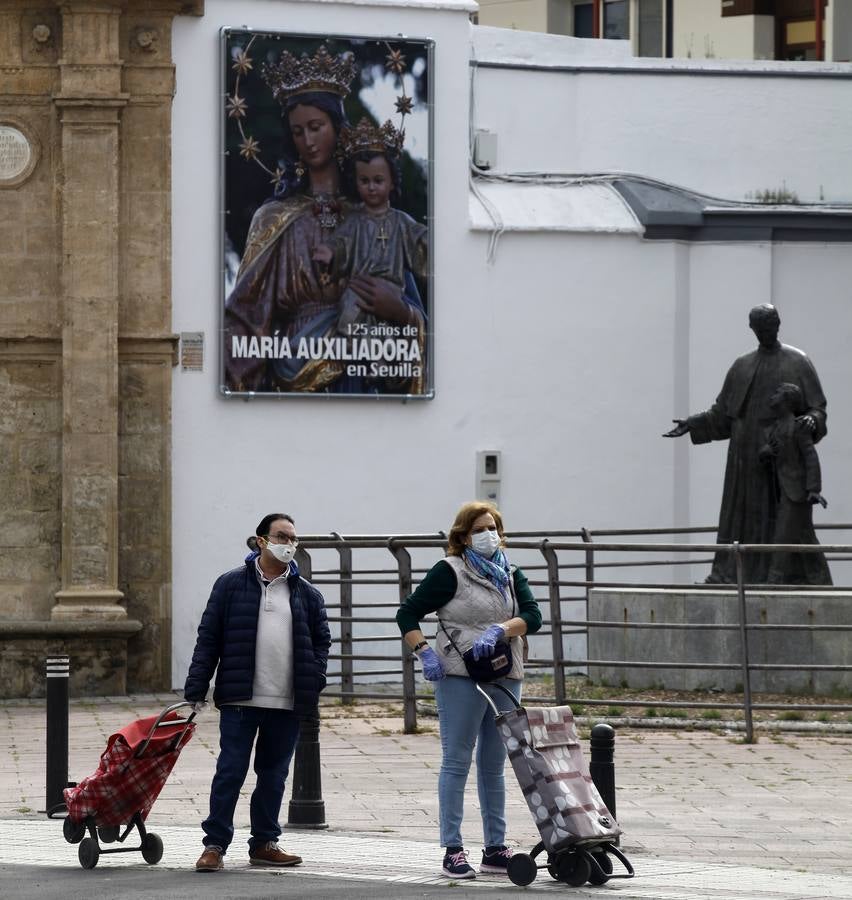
(265,634)
(479,600)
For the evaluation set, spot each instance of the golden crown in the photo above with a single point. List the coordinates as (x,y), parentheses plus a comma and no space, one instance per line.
(367,137)
(292,74)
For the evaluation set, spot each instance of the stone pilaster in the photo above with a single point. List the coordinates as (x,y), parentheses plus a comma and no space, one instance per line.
(90,102)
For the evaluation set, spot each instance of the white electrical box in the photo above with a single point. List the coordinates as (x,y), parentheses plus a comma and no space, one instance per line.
(489,473)
(484,149)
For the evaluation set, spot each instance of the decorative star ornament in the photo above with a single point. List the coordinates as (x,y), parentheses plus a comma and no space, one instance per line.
(404,105)
(395,62)
(249,148)
(236,106)
(242,62)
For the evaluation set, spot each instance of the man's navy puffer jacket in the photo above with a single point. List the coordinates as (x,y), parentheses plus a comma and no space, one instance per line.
(228,632)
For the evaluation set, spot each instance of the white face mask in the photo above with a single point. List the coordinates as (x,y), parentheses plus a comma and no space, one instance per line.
(282,552)
(485,543)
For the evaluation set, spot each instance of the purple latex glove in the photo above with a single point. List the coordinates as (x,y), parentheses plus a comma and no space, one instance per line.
(484,645)
(432,668)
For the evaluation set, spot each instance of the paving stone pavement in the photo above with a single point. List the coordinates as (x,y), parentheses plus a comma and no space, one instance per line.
(704,814)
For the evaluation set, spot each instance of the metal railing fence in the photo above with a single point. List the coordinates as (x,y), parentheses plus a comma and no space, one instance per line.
(562,568)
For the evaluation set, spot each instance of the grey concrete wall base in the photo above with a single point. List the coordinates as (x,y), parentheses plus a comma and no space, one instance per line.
(766,647)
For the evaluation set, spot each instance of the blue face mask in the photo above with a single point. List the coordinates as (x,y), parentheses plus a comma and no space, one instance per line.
(485,543)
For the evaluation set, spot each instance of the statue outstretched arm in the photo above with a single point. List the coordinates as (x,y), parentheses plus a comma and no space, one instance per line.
(681,428)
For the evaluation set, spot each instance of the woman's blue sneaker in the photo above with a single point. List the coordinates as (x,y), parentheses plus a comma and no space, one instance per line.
(456,864)
(495,860)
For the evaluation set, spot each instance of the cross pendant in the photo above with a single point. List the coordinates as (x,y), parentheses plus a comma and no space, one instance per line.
(382,236)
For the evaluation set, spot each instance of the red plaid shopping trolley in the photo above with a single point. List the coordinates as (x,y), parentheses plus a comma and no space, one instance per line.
(117,798)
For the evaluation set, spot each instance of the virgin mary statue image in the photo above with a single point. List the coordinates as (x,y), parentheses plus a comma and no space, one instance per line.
(280,292)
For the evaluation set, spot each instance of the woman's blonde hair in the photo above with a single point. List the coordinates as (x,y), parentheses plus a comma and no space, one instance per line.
(464,520)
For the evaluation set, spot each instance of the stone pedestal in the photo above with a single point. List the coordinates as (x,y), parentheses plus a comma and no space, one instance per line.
(700,645)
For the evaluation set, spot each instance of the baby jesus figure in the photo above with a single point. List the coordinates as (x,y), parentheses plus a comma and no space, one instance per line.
(375,239)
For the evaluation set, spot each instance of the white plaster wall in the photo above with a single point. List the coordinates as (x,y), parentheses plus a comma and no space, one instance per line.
(689,125)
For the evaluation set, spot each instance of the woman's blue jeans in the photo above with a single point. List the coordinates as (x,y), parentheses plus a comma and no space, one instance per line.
(466,720)
(277,731)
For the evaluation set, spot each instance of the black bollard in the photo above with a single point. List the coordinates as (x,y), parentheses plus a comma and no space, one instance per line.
(602,767)
(307,808)
(56,741)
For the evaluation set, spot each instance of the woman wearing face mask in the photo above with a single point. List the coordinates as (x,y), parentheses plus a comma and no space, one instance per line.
(479,599)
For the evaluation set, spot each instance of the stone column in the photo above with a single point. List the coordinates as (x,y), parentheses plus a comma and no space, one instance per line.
(89,104)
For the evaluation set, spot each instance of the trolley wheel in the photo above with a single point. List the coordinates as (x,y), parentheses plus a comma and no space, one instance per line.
(89,852)
(573,869)
(152,849)
(551,867)
(522,869)
(74,832)
(601,857)
(108,834)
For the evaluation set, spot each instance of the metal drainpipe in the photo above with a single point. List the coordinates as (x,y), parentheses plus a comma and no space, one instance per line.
(596,18)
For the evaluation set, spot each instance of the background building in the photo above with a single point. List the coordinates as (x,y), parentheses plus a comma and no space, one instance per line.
(698,29)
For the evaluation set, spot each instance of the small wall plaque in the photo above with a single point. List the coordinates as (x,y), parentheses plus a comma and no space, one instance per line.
(192,351)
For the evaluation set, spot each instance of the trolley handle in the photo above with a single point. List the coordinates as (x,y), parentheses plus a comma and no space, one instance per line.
(491,703)
(160,723)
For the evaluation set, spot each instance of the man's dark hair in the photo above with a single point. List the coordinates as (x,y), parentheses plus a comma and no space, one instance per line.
(262,529)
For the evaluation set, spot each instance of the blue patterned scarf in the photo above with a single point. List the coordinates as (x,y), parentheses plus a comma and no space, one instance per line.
(496,569)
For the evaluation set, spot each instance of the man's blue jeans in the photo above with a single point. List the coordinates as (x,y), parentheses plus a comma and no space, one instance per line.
(466,720)
(277,731)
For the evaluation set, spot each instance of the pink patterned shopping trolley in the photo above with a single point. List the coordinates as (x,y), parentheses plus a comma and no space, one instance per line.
(117,798)
(578,833)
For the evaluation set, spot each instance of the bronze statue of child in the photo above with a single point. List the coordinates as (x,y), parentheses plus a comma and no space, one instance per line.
(376,239)
(789,452)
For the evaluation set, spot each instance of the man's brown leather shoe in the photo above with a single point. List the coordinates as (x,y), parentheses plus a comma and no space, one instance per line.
(270,854)
(211,860)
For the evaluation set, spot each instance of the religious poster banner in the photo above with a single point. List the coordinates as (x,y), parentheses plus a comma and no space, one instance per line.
(327,196)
